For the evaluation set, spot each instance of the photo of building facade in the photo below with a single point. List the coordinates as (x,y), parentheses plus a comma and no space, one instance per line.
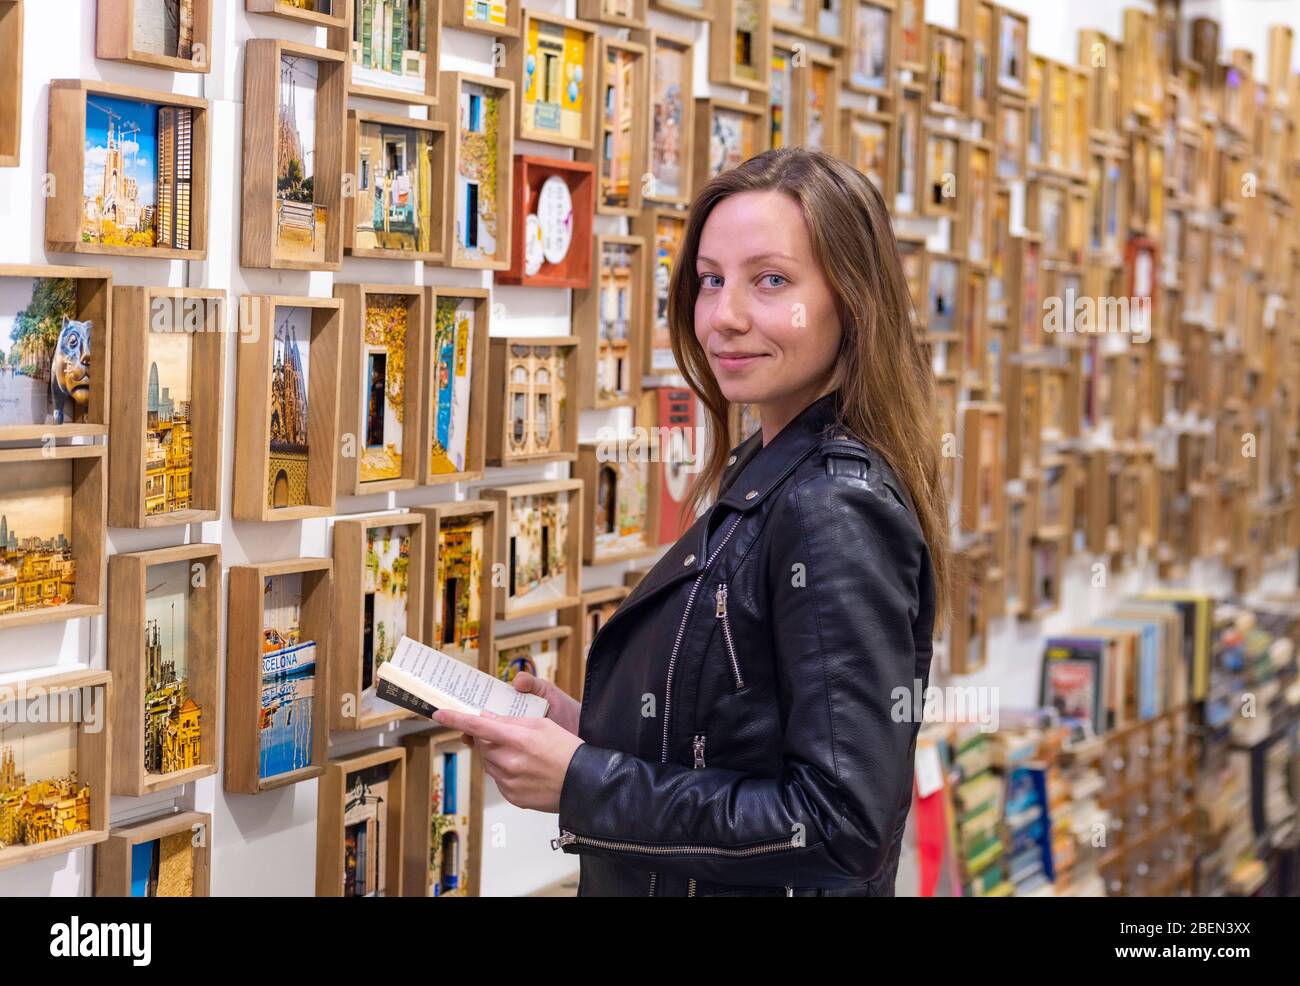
(390,44)
(37,568)
(169,440)
(394,189)
(287,472)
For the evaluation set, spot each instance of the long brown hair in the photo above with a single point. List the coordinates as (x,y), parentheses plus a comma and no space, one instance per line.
(883,376)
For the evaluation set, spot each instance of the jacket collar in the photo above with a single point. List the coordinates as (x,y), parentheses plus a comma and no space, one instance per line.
(759,468)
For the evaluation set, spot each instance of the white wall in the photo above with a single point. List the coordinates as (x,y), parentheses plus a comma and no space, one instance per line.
(266,844)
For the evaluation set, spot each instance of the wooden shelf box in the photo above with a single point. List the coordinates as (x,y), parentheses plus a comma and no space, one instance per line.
(278,474)
(327,13)
(740,45)
(672,81)
(279,623)
(868,141)
(622,146)
(141,32)
(378,599)
(586,620)
(73,756)
(619,13)
(499,18)
(460,538)
(452,442)
(532,416)
(442,844)
(546,653)
(871,56)
(56,494)
(380,384)
(105,116)
(166,856)
(546,228)
(165,459)
(982,484)
(81,296)
(563,53)
(539,542)
(662,229)
(616,502)
(968,649)
(417,82)
(11,82)
(729,132)
(164,650)
(609,321)
(411,232)
(359,822)
(478,111)
(293,228)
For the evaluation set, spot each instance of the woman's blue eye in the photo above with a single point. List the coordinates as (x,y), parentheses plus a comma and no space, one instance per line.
(704,280)
(779,277)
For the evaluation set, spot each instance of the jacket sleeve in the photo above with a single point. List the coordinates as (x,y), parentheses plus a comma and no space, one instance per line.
(843,644)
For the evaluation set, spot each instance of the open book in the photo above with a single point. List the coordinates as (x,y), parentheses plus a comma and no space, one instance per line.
(424,680)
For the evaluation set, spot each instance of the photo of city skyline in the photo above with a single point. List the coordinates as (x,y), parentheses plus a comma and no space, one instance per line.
(37,569)
(169,459)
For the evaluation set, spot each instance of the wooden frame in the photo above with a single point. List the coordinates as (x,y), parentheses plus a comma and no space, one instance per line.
(339,38)
(128,644)
(93,759)
(434,586)
(500,405)
(911,13)
(331,800)
(261,216)
(723,45)
(113,870)
(934,329)
(418,851)
(1017,64)
(245,650)
(1011,137)
(600,11)
(94,289)
(588,468)
(681,147)
(477,411)
(11,82)
(595,602)
(907,141)
(351,562)
(754,118)
(286,9)
(915,258)
(1141,91)
(1016,574)
(1046,566)
(89,489)
(804,77)
(253,484)
(975,167)
(607,128)
(977,19)
(562,637)
(1059,471)
(115,37)
(457,15)
(448,111)
(354,375)
(1101,57)
(504,497)
(656,226)
(139,311)
(945,87)
(517,54)
(574,269)
(968,644)
(851,148)
(698,10)
(66,164)
(974,330)
(437,186)
(589,306)
(867,84)
(1038,111)
(983,505)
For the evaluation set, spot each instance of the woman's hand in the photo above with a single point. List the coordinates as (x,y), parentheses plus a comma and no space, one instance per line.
(564,708)
(527,757)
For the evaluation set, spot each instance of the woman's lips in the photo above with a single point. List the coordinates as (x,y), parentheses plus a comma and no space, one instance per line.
(736,361)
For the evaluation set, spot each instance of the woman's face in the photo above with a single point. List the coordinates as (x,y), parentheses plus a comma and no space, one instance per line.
(765,314)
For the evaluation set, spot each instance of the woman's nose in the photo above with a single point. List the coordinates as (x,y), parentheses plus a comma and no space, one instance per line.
(729,311)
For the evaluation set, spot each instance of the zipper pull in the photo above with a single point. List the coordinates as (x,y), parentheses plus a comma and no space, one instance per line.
(698,745)
(566,838)
(721,598)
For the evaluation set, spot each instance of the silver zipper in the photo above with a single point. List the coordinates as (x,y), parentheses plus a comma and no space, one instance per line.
(618,845)
(698,746)
(720,611)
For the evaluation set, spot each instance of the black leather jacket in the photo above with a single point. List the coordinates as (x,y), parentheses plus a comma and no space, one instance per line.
(737,707)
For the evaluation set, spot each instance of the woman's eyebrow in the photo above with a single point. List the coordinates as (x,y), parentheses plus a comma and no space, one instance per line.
(757,258)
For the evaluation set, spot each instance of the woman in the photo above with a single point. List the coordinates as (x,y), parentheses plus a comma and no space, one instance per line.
(738,732)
